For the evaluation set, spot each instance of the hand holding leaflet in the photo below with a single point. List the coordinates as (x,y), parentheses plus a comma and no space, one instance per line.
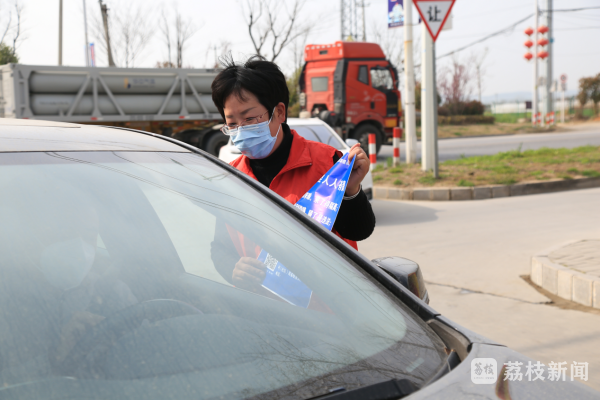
(321,203)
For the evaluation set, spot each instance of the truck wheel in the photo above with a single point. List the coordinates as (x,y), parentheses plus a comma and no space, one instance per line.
(215,142)
(362,135)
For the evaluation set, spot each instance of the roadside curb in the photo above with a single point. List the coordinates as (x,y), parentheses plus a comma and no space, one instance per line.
(565,282)
(483,192)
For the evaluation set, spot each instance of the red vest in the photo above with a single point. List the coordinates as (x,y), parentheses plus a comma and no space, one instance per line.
(307,163)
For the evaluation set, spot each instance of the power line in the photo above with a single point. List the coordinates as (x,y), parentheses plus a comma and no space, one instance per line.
(503,30)
(570,9)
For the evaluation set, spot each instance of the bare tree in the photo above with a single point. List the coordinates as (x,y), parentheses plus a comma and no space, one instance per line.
(216,51)
(455,84)
(130,32)
(176,33)
(13,28)
(390,42)
(184,30)
(273,25)
(480,69)
(165,30)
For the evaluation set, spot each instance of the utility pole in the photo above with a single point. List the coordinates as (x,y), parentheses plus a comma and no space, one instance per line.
(349,19)
(104,11)
(364,25)
(410,125)
(548,94)
(427,101)
(87,43)
(60,41)
(436,173)
(534,102)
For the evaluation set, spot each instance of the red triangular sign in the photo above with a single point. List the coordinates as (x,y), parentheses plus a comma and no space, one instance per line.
(434,14)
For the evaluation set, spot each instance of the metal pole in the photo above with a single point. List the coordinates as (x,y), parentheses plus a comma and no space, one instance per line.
(104,11)
(364,30)
(60,41)
(410,125)
(534,103)
(549,77)
(562,117)
(427,101)
(87,43)
(342,20)
(435,116)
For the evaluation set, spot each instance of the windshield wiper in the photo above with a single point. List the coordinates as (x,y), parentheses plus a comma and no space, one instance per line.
(387,390)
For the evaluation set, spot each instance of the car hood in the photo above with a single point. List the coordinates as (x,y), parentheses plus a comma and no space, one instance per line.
(457,384)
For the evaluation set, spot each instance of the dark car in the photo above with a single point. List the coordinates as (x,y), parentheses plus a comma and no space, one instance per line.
(116,251)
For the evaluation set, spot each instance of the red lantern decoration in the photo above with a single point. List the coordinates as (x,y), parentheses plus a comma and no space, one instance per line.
(528,44)
(528,56)
(528,31)
(542,54)
(543,42)
(543,29)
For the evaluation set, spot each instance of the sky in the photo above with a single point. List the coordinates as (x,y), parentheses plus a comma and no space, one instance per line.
(506,71)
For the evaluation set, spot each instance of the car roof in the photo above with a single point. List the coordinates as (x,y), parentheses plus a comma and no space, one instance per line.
(305,121)
(23,135)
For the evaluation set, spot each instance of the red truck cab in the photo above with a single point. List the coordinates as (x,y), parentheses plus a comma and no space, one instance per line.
(352,87)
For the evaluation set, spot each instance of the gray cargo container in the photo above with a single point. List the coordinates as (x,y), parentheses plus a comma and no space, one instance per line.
(171,101)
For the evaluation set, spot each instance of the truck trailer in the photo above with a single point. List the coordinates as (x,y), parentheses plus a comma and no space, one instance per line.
(171,101)
(352,87)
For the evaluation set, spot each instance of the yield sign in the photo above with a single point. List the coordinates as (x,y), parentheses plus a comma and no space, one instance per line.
(434,14)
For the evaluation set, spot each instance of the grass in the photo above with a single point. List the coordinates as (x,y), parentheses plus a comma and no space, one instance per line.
(465,183)
(510,118)
(504,168)
(590,173)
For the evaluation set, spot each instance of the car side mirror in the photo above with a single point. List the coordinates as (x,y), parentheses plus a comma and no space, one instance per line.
(351,142)
(406,272)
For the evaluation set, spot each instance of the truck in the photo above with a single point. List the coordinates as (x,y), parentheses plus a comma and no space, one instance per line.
(353,88)
(171,101)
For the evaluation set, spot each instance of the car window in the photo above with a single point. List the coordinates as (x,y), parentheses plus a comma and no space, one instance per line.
(319,133)
(363,74)
(117,278)
(381,79)
(319,84)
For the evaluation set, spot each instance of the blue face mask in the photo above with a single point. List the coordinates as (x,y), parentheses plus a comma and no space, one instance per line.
(255,141)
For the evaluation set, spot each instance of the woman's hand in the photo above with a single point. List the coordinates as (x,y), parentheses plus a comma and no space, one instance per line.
(359,170)
(249,274)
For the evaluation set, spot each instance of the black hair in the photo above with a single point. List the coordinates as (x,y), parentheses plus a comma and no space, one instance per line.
(258,76)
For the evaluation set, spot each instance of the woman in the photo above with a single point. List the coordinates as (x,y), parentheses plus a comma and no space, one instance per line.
(255,97)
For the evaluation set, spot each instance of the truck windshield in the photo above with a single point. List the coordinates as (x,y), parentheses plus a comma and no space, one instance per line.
(381,79)
(319,84)
(116,279)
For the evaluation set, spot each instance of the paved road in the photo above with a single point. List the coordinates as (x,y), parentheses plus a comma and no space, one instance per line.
(449,149)
(472,254)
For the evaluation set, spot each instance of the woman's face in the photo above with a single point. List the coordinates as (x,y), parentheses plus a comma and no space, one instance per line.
(249,111)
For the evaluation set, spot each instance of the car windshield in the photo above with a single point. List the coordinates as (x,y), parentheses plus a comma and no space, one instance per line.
(116,283)
(319,133)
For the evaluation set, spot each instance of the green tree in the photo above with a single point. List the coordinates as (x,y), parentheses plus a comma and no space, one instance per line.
(584,92)
(294,88)
(595,91)
(7,55)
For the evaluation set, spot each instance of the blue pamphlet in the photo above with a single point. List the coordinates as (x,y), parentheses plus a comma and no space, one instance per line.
(321,203)
(282,282)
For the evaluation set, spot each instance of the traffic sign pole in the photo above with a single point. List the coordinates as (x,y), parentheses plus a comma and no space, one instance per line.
(434,14)
(410,125)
